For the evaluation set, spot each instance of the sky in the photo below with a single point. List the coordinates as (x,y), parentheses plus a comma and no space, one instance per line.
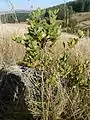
(26,4)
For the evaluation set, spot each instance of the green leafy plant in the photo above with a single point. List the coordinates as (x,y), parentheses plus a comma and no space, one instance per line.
(42,29)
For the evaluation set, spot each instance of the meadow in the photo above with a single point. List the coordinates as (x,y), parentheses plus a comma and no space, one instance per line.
(7,29)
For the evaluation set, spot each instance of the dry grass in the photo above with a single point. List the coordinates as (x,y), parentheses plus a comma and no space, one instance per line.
(64,37)
(79,17)
(66,104)
(10,51)
(8,30)
(82,20)
(81,51)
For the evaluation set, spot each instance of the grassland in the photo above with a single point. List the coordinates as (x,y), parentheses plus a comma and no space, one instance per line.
(7,30)
(82,19)
(10,51)
(81,49)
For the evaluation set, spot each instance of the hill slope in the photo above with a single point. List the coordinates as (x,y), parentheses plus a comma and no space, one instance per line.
(13,16)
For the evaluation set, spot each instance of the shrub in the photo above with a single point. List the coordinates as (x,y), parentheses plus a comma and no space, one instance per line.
(40,32)
(57,82)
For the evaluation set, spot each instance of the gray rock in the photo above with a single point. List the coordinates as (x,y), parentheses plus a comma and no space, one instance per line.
(12,101)
(18,85)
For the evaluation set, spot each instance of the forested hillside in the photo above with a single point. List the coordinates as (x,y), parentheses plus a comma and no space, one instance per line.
(77,5)
(72,6)
(80,5)
(18,16)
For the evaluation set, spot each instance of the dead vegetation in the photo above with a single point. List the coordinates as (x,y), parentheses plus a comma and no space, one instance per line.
(8,30)
(79,17)
(10,52)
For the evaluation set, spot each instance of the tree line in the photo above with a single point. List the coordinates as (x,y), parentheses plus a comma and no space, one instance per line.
(71,7)
(12,18)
